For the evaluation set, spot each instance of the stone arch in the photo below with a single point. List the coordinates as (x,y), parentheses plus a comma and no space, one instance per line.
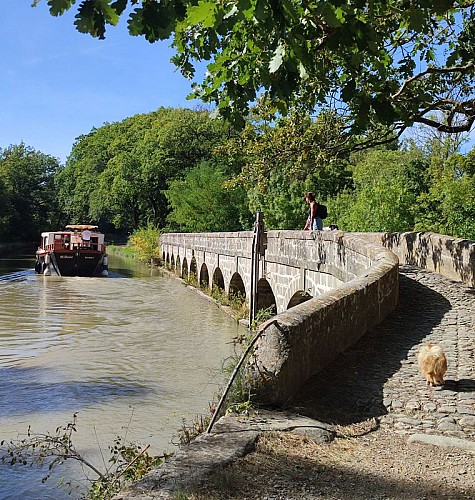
(166,257)
(204,276)
(184,269)
(236,286)
(177,267)
(298,298)
(218,279)
(265,297)
(172,262)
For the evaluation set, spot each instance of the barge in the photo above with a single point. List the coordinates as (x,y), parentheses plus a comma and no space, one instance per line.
(79,250)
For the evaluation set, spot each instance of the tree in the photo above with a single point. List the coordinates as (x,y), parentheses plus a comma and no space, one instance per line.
(448,207)
(201,202)
(127,464)
(284,160)
(391,63)
(28,196)
(5,211)
(387,187)
(118,172)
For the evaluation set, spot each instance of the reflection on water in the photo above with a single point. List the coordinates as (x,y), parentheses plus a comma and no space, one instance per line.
(133,354)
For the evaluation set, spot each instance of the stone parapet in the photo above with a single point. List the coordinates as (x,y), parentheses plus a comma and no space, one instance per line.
(451,257)
(352,282)
(298,343)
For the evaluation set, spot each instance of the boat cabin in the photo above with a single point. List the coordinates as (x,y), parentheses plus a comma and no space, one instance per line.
(79,237)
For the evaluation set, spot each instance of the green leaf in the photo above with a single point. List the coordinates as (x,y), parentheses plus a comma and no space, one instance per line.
(119,6)
(154,20)
(340,15)
(331,17)
(383,109)
(261,12)
(109,12)
(348,91)
(442,6)
(416,21)
(92,17)
(277,59)
(59,7)
(290,11)
(204,13)
(85,18)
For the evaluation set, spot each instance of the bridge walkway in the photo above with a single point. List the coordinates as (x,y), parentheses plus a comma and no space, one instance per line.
(378,376)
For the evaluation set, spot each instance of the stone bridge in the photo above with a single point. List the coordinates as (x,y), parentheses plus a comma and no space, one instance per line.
(293,267)
(326,289)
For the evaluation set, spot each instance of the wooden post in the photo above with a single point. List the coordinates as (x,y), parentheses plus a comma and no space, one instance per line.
(258,249)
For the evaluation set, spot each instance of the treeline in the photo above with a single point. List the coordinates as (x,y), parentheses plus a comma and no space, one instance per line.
(183,170)
(28,201)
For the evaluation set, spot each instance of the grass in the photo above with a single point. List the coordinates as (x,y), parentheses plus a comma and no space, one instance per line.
(235,301)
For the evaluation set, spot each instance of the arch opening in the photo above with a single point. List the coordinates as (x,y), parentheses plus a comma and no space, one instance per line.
(265,297)
(193,273)
(236,287)
(218,279)
(184,269)
(298,298)
(204,276)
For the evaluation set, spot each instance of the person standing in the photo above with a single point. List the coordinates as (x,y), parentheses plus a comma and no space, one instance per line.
(314,221)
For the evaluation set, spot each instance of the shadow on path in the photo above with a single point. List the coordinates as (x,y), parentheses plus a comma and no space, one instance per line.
(350,389)
(314,479)
(461,385)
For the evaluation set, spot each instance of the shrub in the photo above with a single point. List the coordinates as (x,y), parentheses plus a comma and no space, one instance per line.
(144,243)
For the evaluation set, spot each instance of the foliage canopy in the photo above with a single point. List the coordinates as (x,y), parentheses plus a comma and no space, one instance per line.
(201,202)
(389,62)
(118,172)
(28,205)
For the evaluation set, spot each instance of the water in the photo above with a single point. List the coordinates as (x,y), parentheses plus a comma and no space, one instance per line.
(132,354)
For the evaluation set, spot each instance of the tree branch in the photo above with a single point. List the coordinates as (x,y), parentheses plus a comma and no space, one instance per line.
(441,127)
(431,70)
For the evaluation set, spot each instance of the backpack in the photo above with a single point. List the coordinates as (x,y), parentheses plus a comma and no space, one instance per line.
(322,211)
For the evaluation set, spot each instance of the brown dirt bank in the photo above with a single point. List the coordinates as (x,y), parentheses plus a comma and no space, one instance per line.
(377,465)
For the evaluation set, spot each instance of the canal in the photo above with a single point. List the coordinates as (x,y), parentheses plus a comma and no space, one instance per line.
(134,355)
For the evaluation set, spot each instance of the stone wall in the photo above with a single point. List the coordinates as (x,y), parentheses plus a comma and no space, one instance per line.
(228,252)
(300,342)
(312,262)
(454,258)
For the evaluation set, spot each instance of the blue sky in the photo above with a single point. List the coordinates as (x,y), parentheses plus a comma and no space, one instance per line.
(57,84)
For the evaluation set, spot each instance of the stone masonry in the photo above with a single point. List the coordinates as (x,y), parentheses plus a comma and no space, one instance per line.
(358,277)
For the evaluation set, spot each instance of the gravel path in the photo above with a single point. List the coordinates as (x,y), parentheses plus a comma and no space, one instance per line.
(379,377)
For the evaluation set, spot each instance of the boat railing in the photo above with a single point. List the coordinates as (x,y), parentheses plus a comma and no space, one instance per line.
(58,246)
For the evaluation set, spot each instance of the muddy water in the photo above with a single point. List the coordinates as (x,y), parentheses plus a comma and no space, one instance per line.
(132,354)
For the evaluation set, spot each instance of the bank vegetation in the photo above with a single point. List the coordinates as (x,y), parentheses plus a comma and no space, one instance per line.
(182,170)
